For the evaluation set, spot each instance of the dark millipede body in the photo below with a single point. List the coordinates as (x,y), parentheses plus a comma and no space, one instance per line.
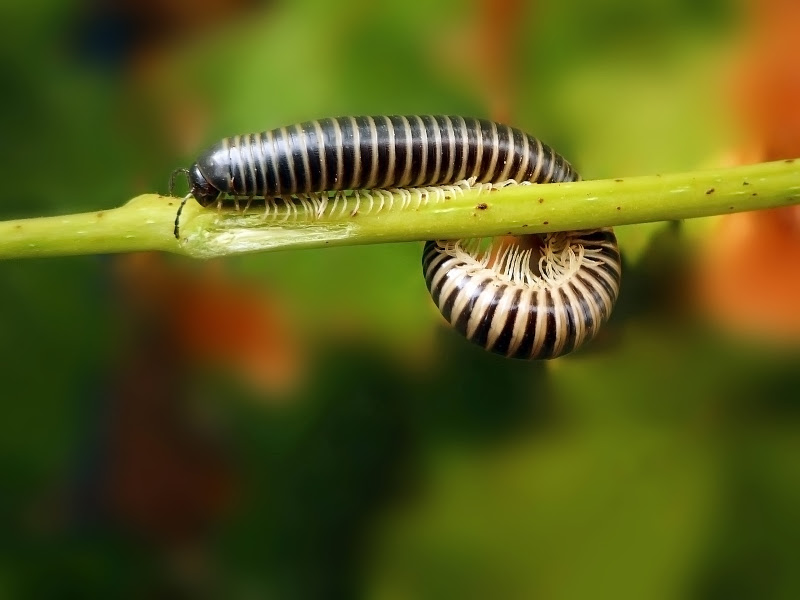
(498,298)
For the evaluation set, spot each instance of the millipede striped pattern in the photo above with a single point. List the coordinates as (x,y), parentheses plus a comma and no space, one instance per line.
(529,297)
(496,300)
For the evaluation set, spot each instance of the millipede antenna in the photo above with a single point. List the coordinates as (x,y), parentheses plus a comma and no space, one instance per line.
(178,216)
(172,179)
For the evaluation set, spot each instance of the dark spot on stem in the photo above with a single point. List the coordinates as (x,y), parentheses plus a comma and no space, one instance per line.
(541,200)
(482,206)
(18,227)
(710,191)
(754,194)
(546,223)
(745,183)
(619,180)
(101,214)
(730,208)
(619,208)
(525,225)
(789,161)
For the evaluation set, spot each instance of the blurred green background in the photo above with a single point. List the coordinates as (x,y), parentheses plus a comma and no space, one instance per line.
(302,424)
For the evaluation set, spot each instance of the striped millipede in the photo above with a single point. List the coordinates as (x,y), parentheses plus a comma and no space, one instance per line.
(499,296)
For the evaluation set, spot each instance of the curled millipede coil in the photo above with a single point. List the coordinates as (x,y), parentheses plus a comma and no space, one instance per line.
(503,299)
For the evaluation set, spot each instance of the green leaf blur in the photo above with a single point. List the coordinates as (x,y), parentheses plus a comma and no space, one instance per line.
(658,462)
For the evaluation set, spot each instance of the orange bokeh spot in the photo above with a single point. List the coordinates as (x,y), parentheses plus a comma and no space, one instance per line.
(749,273)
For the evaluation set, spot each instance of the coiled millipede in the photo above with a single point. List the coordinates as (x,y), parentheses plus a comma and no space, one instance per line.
(499,296)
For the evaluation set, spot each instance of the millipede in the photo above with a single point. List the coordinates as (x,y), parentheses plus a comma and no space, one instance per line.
(532,297)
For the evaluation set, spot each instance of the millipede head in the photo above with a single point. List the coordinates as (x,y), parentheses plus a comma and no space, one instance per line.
(201,188)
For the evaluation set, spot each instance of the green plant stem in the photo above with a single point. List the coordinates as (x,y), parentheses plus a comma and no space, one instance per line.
(146,222)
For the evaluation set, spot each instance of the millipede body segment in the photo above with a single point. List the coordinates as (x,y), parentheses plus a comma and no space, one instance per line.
(537,297)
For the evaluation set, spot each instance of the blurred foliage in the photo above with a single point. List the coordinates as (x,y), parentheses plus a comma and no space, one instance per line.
(397,460)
